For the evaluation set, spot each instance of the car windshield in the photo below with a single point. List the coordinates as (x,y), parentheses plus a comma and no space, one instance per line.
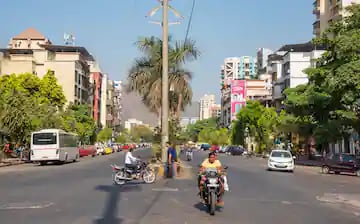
(281,154)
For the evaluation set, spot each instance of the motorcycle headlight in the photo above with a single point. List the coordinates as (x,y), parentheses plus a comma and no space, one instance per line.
(213,181)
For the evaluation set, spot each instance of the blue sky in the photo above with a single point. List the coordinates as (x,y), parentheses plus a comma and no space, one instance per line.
(109,28)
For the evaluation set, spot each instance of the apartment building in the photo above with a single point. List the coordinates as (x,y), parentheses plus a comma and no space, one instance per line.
(206,102)
(32,52)
(96,77)
(216,110)
(117,111)
(326,11)
(262,55)
(190,115)
(110,109)
(288,67)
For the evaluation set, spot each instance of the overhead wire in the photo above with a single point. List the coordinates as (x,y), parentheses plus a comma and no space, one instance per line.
(190,20)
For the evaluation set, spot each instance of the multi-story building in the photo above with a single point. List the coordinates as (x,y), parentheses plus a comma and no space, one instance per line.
(32,52)
(262,55)
(216,110)
(294,61)
(190,115)
(327,11)
(132,122)
(96,77)
(110,104)
(117,104)
(206,102)
(103,108)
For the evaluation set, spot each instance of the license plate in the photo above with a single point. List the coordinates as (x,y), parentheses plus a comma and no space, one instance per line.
(280,166)
(44,157)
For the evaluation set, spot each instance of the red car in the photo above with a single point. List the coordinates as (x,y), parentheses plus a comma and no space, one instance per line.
(87,150)
(215,148)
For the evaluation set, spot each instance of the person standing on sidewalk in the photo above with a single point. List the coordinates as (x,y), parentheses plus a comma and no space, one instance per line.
(171,159)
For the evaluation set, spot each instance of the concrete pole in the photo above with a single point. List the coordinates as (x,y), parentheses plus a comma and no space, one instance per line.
(165,81)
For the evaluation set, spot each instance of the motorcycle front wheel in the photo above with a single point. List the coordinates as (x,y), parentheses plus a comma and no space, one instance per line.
(212,202)
(117,177)
(149,176)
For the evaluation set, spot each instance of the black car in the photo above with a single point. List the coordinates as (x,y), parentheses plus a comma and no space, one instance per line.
(341,163)
(235,150)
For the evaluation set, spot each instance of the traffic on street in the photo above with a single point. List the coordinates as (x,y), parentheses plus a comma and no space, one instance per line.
(85,193)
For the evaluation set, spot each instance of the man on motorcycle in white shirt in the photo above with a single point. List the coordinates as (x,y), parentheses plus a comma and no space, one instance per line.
(131,161)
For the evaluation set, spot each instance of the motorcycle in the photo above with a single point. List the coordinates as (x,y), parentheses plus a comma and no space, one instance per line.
(211,189)
(121,175)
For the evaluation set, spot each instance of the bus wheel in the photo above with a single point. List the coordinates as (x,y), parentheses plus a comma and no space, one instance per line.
(76,158)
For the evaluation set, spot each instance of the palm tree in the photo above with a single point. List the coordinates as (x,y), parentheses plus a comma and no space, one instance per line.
(145,75)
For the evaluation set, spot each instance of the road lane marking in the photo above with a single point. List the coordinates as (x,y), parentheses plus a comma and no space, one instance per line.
(165,189)
(26,205)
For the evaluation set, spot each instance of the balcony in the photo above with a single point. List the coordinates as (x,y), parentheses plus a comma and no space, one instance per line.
(316,27)
(316,5)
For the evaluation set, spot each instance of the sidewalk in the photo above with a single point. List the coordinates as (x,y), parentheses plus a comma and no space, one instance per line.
(11,162)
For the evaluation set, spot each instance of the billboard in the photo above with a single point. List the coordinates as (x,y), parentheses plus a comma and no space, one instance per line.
(238,96)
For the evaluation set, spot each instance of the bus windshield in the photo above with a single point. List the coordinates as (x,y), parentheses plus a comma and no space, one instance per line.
(44,139)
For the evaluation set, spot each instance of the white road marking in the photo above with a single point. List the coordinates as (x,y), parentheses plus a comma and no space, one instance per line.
(165,189)
(25,205)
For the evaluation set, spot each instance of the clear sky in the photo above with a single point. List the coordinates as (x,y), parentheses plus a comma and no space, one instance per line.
(109,28)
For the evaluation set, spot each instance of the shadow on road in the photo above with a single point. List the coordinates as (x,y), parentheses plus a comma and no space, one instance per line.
(111,204)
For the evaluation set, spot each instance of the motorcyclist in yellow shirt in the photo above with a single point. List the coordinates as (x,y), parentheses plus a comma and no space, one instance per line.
(211,162)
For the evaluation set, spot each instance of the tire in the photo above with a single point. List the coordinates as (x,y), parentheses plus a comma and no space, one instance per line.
(43,163)
(149,176)
(212,202)
(116,180)
(358,173)
(325,169)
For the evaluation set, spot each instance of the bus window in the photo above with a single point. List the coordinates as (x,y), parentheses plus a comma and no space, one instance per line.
(44,139)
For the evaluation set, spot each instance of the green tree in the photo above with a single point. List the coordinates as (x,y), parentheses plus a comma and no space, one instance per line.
(141,132)
(26,93)
(121,139)
(193,130)
(145,75)
(328,105)
(51,92)
(258,122)
(104,135)
(77,119)
(17,115)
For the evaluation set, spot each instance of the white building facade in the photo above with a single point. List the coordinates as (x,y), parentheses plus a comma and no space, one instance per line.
(206,103)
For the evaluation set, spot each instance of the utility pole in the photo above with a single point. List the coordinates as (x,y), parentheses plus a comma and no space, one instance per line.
(165,81)
(165,70)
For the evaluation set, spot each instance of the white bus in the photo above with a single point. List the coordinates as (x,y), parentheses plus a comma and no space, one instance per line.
(53,145)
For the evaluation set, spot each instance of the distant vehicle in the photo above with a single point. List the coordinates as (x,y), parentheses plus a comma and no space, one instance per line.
(281,160)
(87,150)
(205,147)
(53,145)
(235,150)
(341,163)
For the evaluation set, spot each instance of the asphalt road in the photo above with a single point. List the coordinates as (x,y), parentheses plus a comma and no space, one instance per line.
(83,193)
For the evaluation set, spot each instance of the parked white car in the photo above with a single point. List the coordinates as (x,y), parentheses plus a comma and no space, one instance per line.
(281,160)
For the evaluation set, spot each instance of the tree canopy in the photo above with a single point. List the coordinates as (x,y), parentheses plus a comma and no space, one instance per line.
(328,106)
(29,103)
(145,75)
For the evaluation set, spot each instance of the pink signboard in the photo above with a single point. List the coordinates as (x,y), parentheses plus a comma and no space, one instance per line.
(238,96)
